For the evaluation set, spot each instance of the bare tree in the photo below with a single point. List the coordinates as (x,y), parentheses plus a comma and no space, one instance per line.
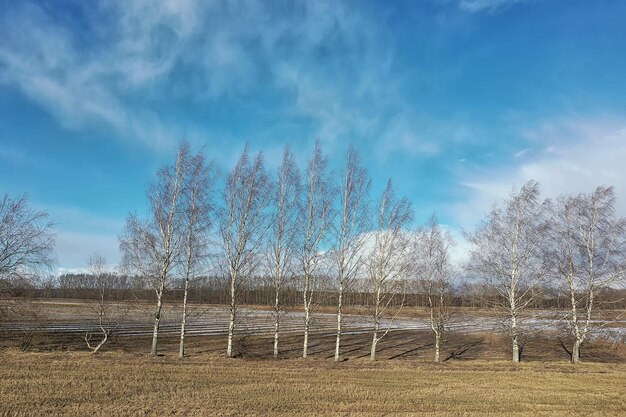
(587,253)
(316,218)
(283,232)
(243,224)
(26,251)
(354,188)
(434,277)
(197,208)
(506,251)
(387,264)
(19,309)
(153,247)
(108,313)
(26,240)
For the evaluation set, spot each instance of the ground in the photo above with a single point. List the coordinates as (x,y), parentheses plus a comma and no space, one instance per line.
(473,333)
(119,384)
(58,376)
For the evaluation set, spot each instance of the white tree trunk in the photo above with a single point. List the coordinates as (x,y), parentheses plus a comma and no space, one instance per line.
(339,305)
(513,312)
(102,342)
(515,349)
(576,351)
(94,349)
(307,318)
(231,322)
(308,299)
(157,320)
(377,314)
(374,343)
(376,325)
(181,348)
(276,321)
(575,355)
(105,333)
(437,339)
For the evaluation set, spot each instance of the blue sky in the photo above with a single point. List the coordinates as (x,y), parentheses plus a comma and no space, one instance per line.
(456,100)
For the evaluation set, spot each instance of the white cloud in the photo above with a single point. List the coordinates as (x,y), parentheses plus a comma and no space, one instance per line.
(488,5)
(415,136)
(132,50)
(75,248)
(568,156)
(581,155)
(406,137)
(521,153)
(92,83)
(459,251)
(80,234)
(38,63)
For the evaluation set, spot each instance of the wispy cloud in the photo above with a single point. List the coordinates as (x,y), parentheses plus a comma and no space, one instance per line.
(488,5)
(326,66)
(583,154)
(423,89)
(521,153)
(39,62)
(403,134)
(195,50)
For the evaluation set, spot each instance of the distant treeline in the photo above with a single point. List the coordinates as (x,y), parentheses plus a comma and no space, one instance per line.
(215,290)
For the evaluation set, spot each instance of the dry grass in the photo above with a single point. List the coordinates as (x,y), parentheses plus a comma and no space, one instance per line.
(61,378)
(403,345)
(117,384)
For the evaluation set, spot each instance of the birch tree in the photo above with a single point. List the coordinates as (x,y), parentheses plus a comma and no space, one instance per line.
(388,262)
(587,253)
(506,251)
(243,224)
(316,221)
(283,232)
(435,275)
(197,209)
(108,313)
(354,187)
(152,247)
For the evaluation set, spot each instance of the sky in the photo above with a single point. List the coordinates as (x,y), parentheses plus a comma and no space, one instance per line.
(458,101)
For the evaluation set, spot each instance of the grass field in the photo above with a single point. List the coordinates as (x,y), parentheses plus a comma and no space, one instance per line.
(473,334)
(59,377)
(118,384)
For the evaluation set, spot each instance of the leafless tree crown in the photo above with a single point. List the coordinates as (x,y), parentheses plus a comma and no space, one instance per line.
(243,224)
(586,253)
(26,240)
(506,251)
(388,261)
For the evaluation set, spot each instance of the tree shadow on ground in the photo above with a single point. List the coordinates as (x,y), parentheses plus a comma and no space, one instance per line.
(461,353)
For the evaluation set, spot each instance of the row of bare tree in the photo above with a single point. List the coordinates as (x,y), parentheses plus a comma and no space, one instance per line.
(577,243)
(293,226)
(290,226)
(301,227)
